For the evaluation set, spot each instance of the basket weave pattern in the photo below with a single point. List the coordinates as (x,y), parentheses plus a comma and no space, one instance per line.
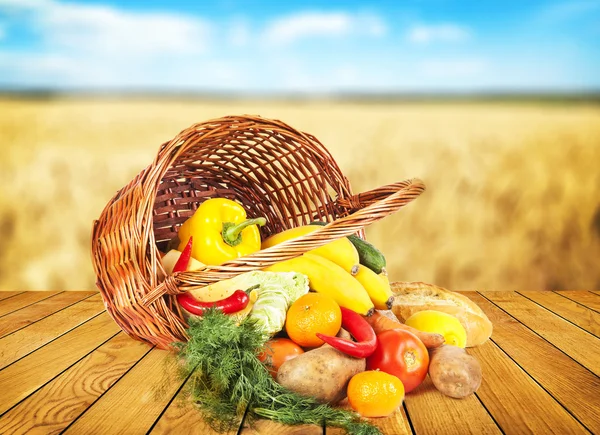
(273,170)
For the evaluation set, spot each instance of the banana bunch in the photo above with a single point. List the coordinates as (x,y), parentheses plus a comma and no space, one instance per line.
(335,269)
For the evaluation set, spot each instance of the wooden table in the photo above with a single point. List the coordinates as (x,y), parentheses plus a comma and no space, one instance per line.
(66,367)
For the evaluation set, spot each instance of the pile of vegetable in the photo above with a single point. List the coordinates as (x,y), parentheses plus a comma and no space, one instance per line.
(290,342)
(227,379)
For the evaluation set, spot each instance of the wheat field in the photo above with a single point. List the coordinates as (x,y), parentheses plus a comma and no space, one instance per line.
(512,200)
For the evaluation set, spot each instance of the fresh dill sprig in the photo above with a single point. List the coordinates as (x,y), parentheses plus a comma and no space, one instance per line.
(227,377)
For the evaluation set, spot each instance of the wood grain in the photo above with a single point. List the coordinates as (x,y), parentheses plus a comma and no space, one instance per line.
(182,417)
(32,313)
(6,295)
(431,412)
(134,403)
(26,340)
(504,389)
(396,424)
(270,427)
(22,300)
(588,299)
(572,311)
(575,387)
(578,344)
(22,378)
(58,403)
(81,374)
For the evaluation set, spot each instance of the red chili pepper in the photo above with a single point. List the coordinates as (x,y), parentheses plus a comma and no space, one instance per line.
(232,304)
(184,259)
(358,327)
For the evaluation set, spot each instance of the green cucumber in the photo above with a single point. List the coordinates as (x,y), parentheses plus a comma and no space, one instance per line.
(368,254)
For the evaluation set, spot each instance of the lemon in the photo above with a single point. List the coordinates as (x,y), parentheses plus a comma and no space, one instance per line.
(441,323)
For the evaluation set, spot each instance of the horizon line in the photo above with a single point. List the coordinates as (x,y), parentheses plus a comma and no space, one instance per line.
(490,94)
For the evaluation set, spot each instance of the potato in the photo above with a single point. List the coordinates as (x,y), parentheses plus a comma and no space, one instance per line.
(454,372)
(322,373)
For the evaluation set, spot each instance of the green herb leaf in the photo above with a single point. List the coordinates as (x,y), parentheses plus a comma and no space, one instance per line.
(227,378)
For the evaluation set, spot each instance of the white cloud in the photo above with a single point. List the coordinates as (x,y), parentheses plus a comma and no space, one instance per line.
(107,30)
(287,30)
(423,34)
(96,46)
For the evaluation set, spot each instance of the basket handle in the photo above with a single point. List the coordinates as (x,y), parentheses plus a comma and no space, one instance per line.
(364,209)
(370,197)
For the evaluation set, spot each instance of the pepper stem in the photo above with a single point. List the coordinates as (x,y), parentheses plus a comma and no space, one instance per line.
(254,287)
(232,233)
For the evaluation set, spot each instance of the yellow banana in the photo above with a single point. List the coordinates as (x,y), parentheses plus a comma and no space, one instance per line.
(341,251)
(326,277)
(377,286)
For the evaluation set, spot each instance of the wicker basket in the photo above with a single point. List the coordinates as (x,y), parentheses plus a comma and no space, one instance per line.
(275,171)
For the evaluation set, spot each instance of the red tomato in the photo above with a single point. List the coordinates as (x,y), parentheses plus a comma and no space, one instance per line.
(277,351)
(402,354)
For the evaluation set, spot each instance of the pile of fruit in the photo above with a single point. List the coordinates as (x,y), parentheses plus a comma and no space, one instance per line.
(293,340)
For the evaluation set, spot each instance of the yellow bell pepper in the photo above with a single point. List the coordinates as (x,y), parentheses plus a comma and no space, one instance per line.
(221,232)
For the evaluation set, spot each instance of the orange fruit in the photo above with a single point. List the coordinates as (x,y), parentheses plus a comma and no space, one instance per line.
(374,393)
(312,313)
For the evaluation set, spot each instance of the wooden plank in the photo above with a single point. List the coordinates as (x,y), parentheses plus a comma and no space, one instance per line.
(6,295)
(261,427)
(431,412)
(58,403)
(26,340)
(588,299)
(575,342)
(575,387)
(22,378)
(396,424)
(134,403)
(506,387)
(182,417)
(566,308)
(19,301)
(31,314)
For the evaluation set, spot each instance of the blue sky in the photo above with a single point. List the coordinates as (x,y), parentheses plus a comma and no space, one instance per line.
(301,46)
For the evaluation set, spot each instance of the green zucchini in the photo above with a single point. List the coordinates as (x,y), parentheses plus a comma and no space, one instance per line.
(368,254)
